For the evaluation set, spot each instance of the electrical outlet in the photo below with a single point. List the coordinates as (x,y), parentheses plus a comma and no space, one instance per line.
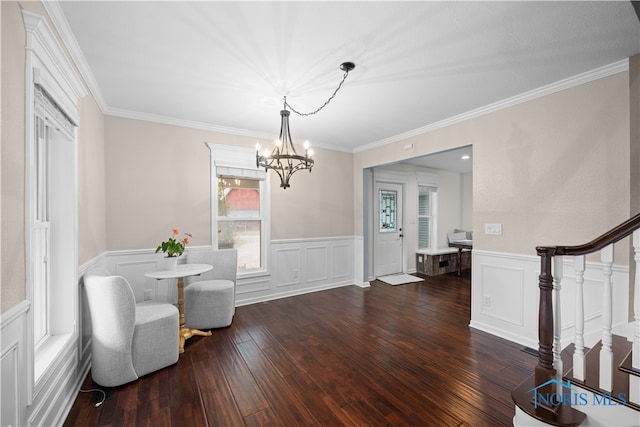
(487,301)
(295,274)
(147,294)
(494,229)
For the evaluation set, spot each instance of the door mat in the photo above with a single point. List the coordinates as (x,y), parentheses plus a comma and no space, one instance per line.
(399,279)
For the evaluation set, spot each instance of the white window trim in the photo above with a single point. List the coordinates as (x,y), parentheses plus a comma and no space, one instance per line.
(240,162)
(47,65)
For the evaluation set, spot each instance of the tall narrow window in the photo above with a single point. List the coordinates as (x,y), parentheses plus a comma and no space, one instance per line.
(53,260)
(240,207)
(240,220)
(426,197)
(41,230)
(51,92)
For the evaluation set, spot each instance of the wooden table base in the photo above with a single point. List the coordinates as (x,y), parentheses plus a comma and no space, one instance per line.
(186,333)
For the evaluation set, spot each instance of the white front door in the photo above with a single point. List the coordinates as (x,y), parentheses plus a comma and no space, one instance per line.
(388,240)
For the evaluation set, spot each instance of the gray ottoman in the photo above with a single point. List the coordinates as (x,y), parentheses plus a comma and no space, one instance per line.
(209,304)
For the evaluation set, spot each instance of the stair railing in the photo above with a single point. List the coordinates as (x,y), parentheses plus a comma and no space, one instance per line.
(549,369)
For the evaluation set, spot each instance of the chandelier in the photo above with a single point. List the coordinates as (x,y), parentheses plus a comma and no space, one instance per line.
(284,159)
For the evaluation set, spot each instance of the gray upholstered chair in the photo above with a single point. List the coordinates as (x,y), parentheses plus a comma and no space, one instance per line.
(210,299)
(128,340)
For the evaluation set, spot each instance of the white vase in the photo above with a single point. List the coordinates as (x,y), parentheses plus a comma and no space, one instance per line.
(170,262)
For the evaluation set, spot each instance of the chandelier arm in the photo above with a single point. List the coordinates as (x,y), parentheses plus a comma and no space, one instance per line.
(286,104)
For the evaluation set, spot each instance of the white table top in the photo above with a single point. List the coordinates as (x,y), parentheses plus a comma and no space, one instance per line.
(182,270)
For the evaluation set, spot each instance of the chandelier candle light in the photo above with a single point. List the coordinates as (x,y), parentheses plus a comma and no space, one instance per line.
(284,159)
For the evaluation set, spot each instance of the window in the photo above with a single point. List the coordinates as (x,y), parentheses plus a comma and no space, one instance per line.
(426,208)
(240,220)
(388,211)
(53,240)
(52,90)
(240,206)
(41,232)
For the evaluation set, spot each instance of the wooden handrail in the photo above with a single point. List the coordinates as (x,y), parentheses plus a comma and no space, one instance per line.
(612,236)
(545,371)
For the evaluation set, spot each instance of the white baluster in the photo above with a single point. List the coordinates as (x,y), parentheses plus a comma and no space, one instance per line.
(634,382)
(578,354)
(606,352)
(557,319)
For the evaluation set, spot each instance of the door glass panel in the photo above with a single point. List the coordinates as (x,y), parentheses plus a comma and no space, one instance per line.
(388,209)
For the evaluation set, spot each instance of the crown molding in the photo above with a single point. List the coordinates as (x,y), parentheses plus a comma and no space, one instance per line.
(156,118)
(61,25)
(135,115)
(586,77)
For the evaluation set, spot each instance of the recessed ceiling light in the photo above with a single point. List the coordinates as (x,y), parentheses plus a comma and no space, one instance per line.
(465,157)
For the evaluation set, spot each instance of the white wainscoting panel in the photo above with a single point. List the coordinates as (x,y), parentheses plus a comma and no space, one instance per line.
(316,261)
(286,265)
(132,265)
(10,388)
(343,262)
(505,297)
(13,391)
(501,284)
(297,266)
(249,287)
(300,266)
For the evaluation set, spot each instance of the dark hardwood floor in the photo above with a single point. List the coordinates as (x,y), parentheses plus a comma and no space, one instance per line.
(381,356)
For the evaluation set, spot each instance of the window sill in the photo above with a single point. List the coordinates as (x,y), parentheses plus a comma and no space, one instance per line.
(47,352)
(253,274)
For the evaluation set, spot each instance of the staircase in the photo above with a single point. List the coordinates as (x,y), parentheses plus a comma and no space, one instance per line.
(579,385)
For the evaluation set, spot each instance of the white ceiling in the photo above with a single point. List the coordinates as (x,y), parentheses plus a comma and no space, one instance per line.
(226,65)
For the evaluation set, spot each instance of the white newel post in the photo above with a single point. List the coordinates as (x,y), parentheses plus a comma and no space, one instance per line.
(557,319)
(578,354)
(606,352)
(634,382)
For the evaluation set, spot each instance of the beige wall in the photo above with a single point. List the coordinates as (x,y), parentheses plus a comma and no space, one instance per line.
(91,186)
(158,178)
(90,156)
(318,204)
(12,134)
(0,153)
(554,170)
(467,201)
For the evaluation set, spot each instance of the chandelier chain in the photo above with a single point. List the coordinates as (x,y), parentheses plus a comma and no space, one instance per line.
(286,104)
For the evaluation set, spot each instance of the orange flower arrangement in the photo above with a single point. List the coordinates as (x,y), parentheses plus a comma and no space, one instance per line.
(174,246)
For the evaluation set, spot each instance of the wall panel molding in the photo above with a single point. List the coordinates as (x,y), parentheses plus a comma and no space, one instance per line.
(510,282)
(297,266)
(13,390)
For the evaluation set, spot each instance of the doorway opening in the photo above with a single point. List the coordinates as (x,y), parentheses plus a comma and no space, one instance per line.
(414,205)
